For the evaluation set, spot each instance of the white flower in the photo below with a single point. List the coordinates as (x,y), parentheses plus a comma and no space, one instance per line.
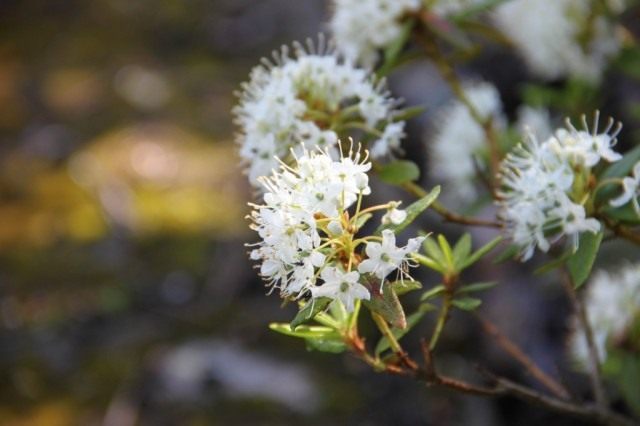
(394,215)
(584,147)
(549,36)
(362,27)
(612,304)
(385,257)
(459,138)
(631,190)
(299,102)
(537,181)
(340,285)
(289,250)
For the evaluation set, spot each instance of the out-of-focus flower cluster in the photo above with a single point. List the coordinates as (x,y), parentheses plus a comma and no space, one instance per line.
(460,138)
(613,307)
(561,38)
(544,185)
(308,100)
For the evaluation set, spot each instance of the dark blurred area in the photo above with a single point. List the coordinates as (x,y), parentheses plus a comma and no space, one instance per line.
(126,296)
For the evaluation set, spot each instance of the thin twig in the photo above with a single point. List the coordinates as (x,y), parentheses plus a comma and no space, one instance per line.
(579,309)
(512,349)
(505,387)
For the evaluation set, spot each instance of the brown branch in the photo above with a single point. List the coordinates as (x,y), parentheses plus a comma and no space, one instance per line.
(579,309)
(505,387)
(516,353)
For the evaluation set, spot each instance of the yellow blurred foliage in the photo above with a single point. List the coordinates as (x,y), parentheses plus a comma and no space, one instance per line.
(148,179)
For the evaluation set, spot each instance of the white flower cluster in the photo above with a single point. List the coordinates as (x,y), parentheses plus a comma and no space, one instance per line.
(362,27)
(459,138)
(306,233)
(612,303)
(537,179)
(559,38)
(303,100)
(630,190)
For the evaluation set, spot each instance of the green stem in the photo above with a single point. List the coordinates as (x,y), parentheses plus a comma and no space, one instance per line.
(442,320)
(386,332)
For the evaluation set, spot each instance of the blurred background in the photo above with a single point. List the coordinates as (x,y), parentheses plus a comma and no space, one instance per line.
(126,296)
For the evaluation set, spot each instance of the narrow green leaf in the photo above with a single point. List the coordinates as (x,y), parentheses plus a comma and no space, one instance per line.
(475,287)
(466,303)
(626,214)
(304,331)
(388,306)
(508,253)
(581,262)
(620,168)
(554,264)
(481,252)
(399,172)
(309,311)
(398,333)
(434,251)
(334,345)
(432,292)
(462,249)
(405,286)
(392,52)
(446,250)
(429,263)
(413,211)
(408,113)
(362,219)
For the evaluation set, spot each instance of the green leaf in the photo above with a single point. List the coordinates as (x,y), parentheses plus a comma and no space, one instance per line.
(309,311)
(619,169)
(392,52)
(446,250)
(475,9)
(554,264)
(333,345)
(362,219)
(399,172)
(408,113)
(475,287)
(405,286)
(398,333)
(508,253)
(462,249)
(432,292)
(413,211)
(481,252)
(388,306)
(466,303)
(581,262)
(434,251)
(304,331)
(429,263)
(626,214)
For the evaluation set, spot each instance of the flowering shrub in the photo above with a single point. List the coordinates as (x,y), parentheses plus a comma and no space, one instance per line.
(562,191)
